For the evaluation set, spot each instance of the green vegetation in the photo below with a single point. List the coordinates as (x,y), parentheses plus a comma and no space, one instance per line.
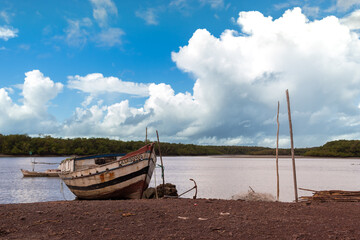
(23,144)
(339,148)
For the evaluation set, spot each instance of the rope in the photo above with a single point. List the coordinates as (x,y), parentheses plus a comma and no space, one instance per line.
(162,170)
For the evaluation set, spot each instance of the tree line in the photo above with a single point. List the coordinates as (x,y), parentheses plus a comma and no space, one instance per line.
(20,145)
(339,148)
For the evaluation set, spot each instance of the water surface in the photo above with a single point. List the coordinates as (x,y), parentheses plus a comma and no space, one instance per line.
(220,177)
(216,177)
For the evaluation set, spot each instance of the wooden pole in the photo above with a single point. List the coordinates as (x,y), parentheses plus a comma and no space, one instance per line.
(156,193)
(292,146)
(277,155)
(162,164)
(146,136)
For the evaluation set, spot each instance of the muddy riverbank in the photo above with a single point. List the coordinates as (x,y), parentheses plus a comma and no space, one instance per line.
(179,219)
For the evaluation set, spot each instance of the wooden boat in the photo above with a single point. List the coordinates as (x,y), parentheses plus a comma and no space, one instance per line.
(111,176)
(47,173)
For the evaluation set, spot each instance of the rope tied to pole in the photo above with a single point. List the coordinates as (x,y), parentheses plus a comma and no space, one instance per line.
(162,170)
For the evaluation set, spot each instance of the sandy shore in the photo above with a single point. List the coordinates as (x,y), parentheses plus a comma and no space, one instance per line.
(179,219)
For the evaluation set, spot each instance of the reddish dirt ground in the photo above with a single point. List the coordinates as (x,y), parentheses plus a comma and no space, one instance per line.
(179,219)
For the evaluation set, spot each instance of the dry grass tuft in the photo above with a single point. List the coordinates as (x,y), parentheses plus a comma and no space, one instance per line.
(251,195)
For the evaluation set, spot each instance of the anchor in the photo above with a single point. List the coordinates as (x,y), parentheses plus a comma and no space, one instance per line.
(194,187)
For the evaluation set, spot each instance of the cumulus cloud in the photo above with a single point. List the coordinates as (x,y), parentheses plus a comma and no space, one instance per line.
(96,83)
(173,112)
(149,15)
(111,121)
(239,77)
(31,116)
(353,20)
(8,32)
(102,9)
(38,90)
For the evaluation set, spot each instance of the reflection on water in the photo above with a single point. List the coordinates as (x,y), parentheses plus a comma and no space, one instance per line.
(216,177)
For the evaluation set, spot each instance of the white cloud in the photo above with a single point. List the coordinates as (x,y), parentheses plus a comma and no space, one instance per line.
(346,4)
(31,116)
(4,15)
(110,121)
(149,15)
(280,6)
(96,83)
(110,37)
(353,20)
(179,4)
(77,33)
(102,9)
(8,32)
(311,11)
(213,3)
(38,90)
(239,77)
(173,112)
(80,31)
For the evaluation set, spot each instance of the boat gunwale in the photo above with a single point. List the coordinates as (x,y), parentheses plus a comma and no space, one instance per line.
(124,156)
(112,169)
(97,156)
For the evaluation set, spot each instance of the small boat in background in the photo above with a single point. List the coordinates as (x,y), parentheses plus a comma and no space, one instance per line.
(47,173)
(110,176)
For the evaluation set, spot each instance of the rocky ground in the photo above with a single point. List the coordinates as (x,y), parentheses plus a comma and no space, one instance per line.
(179,219)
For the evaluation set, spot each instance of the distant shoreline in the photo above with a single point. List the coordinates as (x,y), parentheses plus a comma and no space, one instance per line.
(32,156)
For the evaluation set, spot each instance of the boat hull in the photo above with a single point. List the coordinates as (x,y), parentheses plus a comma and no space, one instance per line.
(125,178)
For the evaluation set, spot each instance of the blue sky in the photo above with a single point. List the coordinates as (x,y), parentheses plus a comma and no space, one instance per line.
(199,71)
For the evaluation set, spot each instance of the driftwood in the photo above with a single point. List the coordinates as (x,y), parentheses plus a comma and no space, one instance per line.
(332,196)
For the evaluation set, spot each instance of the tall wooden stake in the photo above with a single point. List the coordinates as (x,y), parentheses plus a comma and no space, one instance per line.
(146,136)
(277,155)
(292,146)
(162,165)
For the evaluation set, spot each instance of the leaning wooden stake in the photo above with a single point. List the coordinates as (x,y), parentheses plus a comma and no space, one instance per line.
(162,165)
(156,193)
(292,146)
(277,155)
